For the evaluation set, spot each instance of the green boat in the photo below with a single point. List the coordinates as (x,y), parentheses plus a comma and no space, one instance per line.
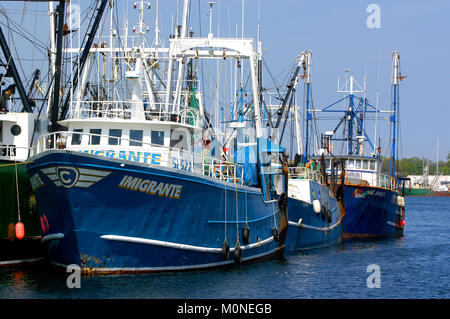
(421,186)
(16,196)
(20,127)
(418,191)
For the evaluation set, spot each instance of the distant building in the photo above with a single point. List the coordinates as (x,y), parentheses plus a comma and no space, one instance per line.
(430,180)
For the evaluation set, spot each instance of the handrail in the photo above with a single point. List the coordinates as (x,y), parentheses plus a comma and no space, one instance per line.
(209,166)
(299,172)
(377,180)
(122,110)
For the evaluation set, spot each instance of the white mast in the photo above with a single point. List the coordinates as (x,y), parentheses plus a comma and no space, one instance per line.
(157,24)
(180,61)
(51,13)
(135,75)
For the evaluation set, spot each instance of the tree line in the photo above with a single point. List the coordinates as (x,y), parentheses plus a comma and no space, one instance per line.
(415,166)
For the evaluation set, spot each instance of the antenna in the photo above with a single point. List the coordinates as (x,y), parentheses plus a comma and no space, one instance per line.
(139,28)
(157,24)
(259,21)
(211,3)
(242,32)
(376,103)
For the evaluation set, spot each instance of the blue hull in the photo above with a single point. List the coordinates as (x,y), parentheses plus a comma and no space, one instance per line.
(314,230)
(371,212)
(109,215)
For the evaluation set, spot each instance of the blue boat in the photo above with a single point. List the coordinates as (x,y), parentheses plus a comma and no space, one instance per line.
(113,215)
(315,200)
(143,184)
(316,214)
(374,202)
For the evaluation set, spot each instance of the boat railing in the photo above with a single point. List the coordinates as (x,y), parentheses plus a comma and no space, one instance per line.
(180,159)
(304,173)
(123,110)
(388,182)
(371,179)
(224,170)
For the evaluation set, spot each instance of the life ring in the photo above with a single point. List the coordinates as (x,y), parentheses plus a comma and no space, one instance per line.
(225,250)
(246,235)
(237,255)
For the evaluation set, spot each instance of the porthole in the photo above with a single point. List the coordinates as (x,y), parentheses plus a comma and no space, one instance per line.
(15,130)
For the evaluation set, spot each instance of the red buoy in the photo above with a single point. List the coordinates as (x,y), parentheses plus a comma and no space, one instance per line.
(20,230)
(402,223)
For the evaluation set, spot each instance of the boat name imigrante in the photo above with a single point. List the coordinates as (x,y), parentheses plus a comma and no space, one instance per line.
(151,187)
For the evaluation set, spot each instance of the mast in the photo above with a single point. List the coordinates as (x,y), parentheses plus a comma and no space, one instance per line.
(437,159)
(396,77)
(52,16)
(157,25)
(352,111)
(180,63)
(308,81)
(57,78)
(260,89)
(84,55)
(291,89)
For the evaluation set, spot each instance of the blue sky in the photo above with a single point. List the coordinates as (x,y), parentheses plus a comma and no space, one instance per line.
(339,38)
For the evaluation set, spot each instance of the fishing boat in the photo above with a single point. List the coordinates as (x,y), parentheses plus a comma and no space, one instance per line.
(374,202)
(316,208)
(136,182)
(420,186)
(315,198)
(19,222)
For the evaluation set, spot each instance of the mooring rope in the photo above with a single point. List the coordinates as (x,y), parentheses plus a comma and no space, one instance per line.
(225,241)
(17,189)
(237,215)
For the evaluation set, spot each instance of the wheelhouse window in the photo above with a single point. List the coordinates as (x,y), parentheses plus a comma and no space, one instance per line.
(351,163)
(357,164)
(365,164)
(94,138)
(372,165)
(114,136)
(136,137)
(76,136)
(158,137)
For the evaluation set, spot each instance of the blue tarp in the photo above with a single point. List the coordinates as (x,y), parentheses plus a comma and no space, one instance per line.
(246,156)
(266,146)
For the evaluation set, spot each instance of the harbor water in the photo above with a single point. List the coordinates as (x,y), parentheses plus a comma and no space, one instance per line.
(414,266)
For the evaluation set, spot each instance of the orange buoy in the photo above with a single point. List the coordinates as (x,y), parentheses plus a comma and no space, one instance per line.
(20,230)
